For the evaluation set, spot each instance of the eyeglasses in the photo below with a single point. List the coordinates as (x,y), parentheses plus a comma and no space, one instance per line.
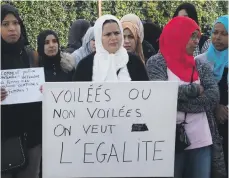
(195,36)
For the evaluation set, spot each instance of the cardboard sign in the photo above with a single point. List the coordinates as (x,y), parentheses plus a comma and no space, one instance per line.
(124,129)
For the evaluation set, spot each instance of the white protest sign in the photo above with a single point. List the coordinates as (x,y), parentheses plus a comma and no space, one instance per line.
(124,129)
(22,85)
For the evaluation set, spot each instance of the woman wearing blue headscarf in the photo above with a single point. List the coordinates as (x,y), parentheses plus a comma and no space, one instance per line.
(217,56)
(217,53)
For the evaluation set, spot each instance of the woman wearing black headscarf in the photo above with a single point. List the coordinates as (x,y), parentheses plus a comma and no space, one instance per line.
(58,66)
(189,10)
(76,33)
(152,33)
(17,119)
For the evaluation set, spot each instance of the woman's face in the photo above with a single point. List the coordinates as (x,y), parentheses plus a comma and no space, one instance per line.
(92,45)
(10,29)
(183,12)
(129,41)
(51,45)
(220,37)
(193,42)
(111,37)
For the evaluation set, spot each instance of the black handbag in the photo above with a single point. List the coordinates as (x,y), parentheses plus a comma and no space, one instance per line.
(182,140)
(13,154)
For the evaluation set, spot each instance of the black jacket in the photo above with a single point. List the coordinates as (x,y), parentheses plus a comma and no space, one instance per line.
(148,50)
(223,128)
(55,73)
(61,71)
(135,68)
(223,88)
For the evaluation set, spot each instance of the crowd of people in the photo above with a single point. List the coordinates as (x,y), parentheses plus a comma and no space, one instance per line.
(125,49)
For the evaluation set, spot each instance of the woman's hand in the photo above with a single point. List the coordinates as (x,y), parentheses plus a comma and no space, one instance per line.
(3,94)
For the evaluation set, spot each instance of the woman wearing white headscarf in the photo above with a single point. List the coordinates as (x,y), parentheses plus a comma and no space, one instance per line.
(87,47)
(148,49)
(111,62)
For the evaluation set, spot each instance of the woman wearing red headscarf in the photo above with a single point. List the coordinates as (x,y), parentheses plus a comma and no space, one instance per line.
(198,95)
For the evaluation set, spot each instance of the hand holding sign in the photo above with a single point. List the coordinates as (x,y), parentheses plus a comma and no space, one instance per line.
(3,94)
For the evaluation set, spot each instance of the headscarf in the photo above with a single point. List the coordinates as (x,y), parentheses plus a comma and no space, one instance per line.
(19,45)
(85,49)
(135,31)
(76,33)
(190,9)
(48,61)
(152,34)
(219,58)
(173,41)
(137,21)
(106,65)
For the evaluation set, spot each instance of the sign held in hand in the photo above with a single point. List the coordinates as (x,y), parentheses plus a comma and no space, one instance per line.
(22,85)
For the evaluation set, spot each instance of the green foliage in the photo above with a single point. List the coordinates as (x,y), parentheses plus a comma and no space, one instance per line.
(41,15)
(58,15)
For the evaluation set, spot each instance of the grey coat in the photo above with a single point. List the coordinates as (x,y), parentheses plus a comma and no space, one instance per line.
(189,101)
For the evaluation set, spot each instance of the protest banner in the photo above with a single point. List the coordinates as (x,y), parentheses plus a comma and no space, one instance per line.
(22,85)
(111,129)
